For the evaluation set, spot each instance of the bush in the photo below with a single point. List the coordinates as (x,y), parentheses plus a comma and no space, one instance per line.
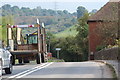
(100,47)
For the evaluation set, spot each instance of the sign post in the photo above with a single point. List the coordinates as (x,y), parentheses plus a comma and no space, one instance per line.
(58,49)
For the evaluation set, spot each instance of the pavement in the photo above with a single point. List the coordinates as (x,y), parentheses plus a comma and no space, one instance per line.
(114,64)
(87,69)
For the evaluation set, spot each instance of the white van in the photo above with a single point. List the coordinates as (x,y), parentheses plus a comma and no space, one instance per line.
(0,68)
(6,61)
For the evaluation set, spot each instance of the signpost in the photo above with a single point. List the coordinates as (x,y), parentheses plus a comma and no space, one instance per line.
(58,49)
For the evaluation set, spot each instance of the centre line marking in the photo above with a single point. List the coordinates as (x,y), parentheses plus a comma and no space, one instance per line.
(21,73)
(34,70)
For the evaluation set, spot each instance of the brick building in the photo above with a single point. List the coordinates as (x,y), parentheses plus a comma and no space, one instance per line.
(107,16)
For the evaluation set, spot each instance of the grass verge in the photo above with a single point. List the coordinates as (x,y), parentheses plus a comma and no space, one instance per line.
(55,60)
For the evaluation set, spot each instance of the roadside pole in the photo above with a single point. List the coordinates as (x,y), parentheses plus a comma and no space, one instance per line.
(39,40)
(58,54)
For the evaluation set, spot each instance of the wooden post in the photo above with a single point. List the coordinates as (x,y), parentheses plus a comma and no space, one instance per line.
(44,40)
(8,26)
(39,39)
(39,42)
(7,34)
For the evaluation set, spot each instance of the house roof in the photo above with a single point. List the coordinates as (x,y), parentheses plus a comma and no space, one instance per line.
(109,12)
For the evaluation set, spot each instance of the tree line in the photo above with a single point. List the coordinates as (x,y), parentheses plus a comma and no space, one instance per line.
(55,20)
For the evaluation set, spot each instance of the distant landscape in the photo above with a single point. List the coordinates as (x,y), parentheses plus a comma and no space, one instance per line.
(55,21)
(65,30)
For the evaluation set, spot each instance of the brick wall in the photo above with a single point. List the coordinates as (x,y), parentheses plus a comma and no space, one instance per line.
(94,39)
(107,54)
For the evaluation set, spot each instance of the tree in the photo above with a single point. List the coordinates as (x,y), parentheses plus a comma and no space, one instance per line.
(69,49)
(65,12)
(15,10)
(93,11)
(80,11)
(6,7)
(6,20)
(82,36)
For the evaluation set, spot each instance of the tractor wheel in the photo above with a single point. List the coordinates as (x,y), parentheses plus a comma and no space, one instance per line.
(38,58)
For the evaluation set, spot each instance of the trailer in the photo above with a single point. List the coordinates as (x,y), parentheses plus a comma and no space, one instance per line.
(35,47)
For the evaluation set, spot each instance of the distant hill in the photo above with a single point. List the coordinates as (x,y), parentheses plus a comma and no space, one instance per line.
(55,21)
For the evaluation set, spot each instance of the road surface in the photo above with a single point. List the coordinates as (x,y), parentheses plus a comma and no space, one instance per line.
(61,70)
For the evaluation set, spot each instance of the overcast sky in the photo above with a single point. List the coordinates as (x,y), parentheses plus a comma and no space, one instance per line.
(70,5)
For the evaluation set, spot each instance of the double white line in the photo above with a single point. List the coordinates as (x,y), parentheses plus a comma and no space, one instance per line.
(24,73)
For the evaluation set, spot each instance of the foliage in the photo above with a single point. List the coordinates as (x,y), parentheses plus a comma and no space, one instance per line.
(67,32)
(117,44)
(80,11)
(73,48)
(93,11)
(100,47)
(54,20)
(68,49)
(5,20)
(82,36)
(53,59)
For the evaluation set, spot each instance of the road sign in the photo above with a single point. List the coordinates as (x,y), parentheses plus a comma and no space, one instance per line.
(58,49)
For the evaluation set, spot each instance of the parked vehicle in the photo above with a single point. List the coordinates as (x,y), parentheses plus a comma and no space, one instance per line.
(6,60)
(0,68)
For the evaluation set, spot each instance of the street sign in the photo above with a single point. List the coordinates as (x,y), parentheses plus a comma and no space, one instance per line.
(58,49)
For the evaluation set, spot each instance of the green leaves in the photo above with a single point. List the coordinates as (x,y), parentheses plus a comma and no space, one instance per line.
(74,48)
(5,20)
(80,11)
(82,36)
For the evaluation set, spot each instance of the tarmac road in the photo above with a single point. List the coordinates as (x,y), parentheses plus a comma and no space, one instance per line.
(61,70)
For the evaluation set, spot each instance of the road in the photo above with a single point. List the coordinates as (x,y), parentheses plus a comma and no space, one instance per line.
(61,70)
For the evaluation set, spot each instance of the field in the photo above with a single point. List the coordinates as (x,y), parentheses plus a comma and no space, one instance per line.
(68,32)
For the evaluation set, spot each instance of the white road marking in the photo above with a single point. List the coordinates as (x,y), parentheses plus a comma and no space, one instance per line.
(34,70)
(29,70)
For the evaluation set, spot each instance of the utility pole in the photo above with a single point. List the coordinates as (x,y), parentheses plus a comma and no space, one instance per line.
(39,39)
(58,54)
(55,10)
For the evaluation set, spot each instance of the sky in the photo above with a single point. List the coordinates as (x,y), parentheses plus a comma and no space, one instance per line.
(70,5)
